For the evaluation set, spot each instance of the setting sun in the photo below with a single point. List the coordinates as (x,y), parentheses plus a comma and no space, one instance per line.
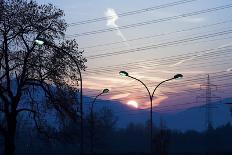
(133,104)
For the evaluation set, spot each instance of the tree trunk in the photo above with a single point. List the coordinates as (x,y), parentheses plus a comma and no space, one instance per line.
(91,132)
(10,134)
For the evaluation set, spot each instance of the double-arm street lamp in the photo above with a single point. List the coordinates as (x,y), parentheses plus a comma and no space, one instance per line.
(151,95)
(41,41)
(92,119)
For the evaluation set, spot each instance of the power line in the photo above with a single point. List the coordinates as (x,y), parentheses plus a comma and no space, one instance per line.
(157,109)
(170,59)
(160,108)
(159,35)
(134,88)
(163,62)
(147,43)
(165,44)
(213,62)
(153,21)
(165,93)
(132,12)
(182,92)
(180,84)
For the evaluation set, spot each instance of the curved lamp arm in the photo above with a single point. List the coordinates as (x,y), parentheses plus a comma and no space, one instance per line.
(41,41)
(95,99)
(159,85)
(177,76)
(103,92)
(142,84)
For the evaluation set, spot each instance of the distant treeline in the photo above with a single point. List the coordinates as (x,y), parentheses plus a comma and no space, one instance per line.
(131,140)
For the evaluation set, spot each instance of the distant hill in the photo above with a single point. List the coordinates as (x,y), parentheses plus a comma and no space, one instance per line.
(189,119)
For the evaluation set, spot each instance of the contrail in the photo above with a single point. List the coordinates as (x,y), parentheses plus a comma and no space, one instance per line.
(112,17)
(193,57)
(229,69)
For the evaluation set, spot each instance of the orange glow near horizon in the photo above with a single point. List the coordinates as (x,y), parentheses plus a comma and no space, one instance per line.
(133,104)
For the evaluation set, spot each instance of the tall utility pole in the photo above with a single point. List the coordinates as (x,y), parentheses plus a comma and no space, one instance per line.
(208,96)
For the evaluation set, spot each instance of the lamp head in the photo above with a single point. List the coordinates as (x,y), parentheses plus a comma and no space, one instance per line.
(123,73)
(178,76)
(105,90)
(39,41)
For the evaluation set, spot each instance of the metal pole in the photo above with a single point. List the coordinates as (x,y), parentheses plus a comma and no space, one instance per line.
(151,99)
(151,122)
(92,124)
(91,131)
(124,73)
(81,88)
(81,110)
(151,127)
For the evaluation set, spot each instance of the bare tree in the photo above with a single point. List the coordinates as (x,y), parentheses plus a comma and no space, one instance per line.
(104,122)
(27,69)
(162,139)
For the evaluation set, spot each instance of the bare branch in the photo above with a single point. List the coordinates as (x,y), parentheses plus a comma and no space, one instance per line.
(2,110)
(25,109)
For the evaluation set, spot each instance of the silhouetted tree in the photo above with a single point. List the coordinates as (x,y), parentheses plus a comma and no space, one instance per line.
(162,139)
(101,131)
(27,70)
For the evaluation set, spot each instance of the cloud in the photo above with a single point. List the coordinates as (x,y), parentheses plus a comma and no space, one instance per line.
(112,17)
(145,76)
(194,20)
(180,62)
(184,72)
(229,69)
(156,101)
(226,45)
(119,96)
(106,79)
(93,85)
(198,55)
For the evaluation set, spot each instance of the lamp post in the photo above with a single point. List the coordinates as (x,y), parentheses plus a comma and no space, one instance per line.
(92,119)
(41,41)
(151,95)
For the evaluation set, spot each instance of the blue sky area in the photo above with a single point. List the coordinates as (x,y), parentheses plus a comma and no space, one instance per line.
(153,41)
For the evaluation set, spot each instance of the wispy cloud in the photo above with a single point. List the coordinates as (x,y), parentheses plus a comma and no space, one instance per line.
(156,101)
(226,45)
(119,96)
(194,20)
(180,62)
(199,55)
(183,72)
(229,69)
(112,17)
(145,75)
(107,79)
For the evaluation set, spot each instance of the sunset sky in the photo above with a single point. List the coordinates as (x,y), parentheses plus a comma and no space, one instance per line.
(153,41)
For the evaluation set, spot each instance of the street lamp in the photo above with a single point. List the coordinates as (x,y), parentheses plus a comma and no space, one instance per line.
(41,42)
(92,118)
(151,95)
